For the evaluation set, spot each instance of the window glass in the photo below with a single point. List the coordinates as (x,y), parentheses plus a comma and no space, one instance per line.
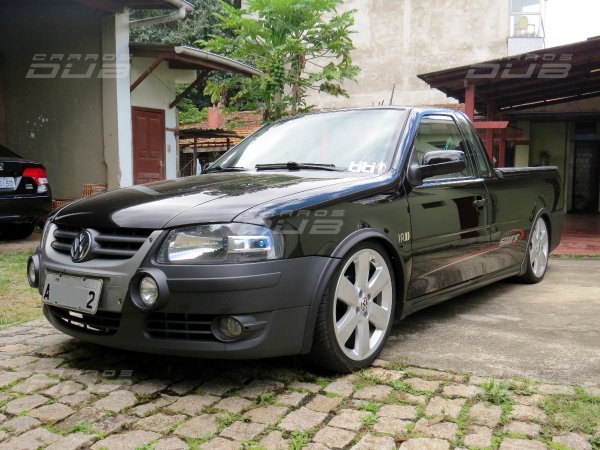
(440,133)
(479,152)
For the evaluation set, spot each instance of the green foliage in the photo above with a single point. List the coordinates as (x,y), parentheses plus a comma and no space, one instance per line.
(496,391)
(299,45)
(580,413)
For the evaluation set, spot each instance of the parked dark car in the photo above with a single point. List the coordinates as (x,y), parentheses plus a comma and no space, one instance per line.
(309,237)
(25,196)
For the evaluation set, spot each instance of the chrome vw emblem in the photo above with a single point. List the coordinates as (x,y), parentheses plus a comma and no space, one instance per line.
(1,166)
(81,246)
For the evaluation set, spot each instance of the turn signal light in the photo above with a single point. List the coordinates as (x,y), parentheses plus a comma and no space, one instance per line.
(37,173)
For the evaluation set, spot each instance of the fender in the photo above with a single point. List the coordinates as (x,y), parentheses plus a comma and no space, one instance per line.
(334,260)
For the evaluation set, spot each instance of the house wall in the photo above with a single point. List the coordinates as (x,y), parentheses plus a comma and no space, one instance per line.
(157,91)
(54,120)
(397,40)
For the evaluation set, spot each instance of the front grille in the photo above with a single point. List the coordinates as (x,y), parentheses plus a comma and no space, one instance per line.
(116,243)
(102,323)
(180,326)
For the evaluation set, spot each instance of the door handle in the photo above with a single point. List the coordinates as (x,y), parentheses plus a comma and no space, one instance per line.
(479,202)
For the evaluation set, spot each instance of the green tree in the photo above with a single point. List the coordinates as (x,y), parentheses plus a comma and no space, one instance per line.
(299,45)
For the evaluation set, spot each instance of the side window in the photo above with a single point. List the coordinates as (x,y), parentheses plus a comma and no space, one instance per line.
(440,133)
(479,153)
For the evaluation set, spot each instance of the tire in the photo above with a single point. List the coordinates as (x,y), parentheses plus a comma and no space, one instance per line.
(356,312)
(538,250)
(16,230)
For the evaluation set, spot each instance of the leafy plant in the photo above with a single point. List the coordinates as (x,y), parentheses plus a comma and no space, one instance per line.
(496,391)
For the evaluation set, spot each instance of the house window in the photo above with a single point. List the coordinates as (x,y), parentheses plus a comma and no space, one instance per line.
(526,18)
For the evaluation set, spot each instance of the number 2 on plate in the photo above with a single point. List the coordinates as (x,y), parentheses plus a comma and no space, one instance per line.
(92,294)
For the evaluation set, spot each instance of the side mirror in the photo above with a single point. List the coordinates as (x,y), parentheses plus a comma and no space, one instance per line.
(439,162)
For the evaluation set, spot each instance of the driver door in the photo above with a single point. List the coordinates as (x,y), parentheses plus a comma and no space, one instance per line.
(449,214)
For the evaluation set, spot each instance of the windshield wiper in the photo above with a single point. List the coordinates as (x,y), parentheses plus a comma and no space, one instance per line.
(292,165)
(225,169)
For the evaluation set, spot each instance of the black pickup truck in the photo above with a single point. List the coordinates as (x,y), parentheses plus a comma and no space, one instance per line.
(312,236)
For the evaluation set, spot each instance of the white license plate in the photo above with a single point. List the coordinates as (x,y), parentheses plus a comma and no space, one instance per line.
(77,293)
(7,183)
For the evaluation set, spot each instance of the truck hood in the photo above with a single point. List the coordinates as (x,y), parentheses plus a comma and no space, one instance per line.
(209,198)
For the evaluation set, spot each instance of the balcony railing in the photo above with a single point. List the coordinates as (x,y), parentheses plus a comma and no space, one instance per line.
(526,25)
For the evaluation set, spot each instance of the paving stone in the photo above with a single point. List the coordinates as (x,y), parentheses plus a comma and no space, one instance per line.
(7,378)
(31,440)
(437,429)
(149,408)
(13,363)
(274,441)
(87,414)
(305,386)
(184,387)
(259,387)
(435,374)
(148,387)
(44,364)
(483,414)
(478,381)
(573,441)
(349,419)
(218,386)
(376,392)
(34,383)
(371,442)
(112,424)
(3,435)
(266,414)
(21,424)
(103,388)
(75,441)
(116,401)
(478,437)
(13,349)
(51,413)
(191,405)
(439,406)
(527,413)
(425,444)
(198,427)
(461,390)
(159,422)
(314,446)
(529,400)
(554,389)
(592,390)
(170,443)
(333,437)
(407,397)
(528,429)
(220,443)
(129,440)
(78,398)
(406,412)
(521,444)
(391,425)
(64,388)
(323,403)
(243,431)
(2,418)
(19,405)
(384,375)
(291,398)
(423,385)
(342,386)
(302,419)
(234,404)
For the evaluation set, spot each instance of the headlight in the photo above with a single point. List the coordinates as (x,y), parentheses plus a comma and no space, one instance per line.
(222,243)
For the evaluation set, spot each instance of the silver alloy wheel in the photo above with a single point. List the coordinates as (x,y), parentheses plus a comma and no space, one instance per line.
(538,248)
(362,306)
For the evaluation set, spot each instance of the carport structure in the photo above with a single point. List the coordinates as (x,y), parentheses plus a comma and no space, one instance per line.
(538,108)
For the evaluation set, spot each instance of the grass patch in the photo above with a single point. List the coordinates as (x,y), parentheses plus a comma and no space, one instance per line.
(18,301)
(580,413)
(496,391)
(369,420)
(298,439)
(370,407)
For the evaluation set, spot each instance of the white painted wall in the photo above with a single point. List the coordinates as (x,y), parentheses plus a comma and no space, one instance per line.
(157,91)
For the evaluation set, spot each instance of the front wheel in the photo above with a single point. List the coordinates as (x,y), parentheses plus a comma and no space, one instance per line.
(356,312)
(537,253)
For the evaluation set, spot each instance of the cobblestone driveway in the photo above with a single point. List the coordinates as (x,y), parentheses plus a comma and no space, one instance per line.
(57,393)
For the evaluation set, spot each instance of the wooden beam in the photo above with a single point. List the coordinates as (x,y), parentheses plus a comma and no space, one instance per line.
(201,76)
(145,74)
(491,124)
(102,5)
(470,101)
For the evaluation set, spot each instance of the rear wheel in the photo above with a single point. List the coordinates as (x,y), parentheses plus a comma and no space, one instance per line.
(356,311)
(16,230)
(537,252)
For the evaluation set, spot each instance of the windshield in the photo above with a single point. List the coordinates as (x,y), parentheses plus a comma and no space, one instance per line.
(6,153)
(356,141)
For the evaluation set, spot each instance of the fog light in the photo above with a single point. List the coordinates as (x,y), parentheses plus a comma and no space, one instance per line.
(148,290)
(32,273)
(230,327)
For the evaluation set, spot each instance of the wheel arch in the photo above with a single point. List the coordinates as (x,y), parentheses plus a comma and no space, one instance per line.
(542,213)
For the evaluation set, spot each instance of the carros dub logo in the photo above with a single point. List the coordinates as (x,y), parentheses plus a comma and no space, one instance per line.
(80,249)
(78,66)
(540,66)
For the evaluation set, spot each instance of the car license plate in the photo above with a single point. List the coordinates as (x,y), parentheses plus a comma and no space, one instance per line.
(7,183)
(77,293)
